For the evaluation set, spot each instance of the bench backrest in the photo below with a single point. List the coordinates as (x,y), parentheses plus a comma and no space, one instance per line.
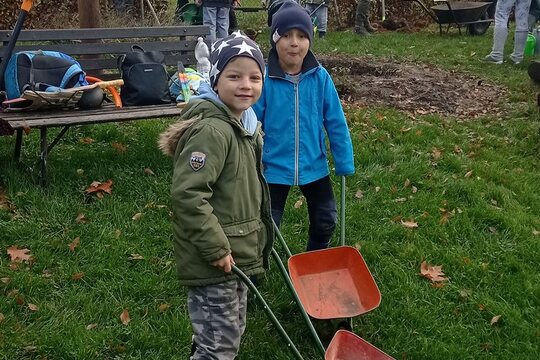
(98,49)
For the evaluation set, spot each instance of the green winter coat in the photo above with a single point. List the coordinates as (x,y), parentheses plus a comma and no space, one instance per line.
(219,198)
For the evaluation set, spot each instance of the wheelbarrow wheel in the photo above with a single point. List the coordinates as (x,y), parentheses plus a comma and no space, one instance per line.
(479,28)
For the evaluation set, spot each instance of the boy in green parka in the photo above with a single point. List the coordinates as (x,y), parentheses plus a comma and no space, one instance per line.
(219,198)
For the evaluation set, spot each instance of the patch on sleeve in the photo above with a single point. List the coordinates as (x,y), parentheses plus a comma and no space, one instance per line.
(197,160)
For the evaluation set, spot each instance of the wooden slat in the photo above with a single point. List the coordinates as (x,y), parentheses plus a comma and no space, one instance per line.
(107,33)
(110,48)
(90,65)
(64,118)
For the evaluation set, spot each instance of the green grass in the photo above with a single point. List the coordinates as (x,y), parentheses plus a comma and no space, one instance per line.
(488,247)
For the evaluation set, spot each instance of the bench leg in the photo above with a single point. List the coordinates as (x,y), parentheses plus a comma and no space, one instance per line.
(43,158)
(18,145)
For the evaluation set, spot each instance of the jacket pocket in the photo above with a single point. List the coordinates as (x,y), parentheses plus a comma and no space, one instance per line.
(245,241)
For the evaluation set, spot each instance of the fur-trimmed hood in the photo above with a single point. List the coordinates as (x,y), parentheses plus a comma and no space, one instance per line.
(169,139)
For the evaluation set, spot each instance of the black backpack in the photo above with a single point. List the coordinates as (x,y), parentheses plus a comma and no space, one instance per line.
(146,81)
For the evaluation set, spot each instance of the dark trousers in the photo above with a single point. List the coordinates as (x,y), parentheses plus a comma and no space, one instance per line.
(321,209)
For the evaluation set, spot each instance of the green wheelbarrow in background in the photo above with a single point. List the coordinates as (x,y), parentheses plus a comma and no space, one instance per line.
(190,14)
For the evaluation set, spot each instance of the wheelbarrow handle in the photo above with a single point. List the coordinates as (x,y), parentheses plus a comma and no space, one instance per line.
(268,311)
(342,212)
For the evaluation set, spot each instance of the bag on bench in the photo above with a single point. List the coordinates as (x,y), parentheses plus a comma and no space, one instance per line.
(146,81)
(40,70)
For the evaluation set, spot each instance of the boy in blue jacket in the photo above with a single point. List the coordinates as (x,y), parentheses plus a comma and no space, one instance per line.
(299,108)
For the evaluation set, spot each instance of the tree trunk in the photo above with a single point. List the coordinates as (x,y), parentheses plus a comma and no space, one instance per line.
(89,14)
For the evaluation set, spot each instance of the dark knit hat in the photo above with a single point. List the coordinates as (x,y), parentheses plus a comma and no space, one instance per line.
(289,16)
(234,45)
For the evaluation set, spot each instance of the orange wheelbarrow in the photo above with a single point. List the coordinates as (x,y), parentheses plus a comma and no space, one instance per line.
(326,284)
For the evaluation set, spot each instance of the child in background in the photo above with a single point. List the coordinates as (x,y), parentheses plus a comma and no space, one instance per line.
(299,108)
(318,9)
(219,198)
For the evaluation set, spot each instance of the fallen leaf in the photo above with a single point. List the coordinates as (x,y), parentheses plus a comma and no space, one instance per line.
(164,307)
(87,140)
(149,171)
(74,243)
(5,280)
(495,320)
(91,326)
(481,307)
(492,230)
(464,294)
(377,189)
(77,276)
(400,200)
(119,146)
(359,194)
(467,261)
(19,300)
(18,254)
(414,189)
(407,183)
(298,204)
(393,189)
(32,307)
(4,201)
(468,174)
(136,217)
(99,188)
(80,171)
(26,130)
(535,232)
(81,219)
(136,257)
(117,233)
(433,273)
(124,317)
(457,150)
(436,154)
(409,224)
(404,129)
(2,317)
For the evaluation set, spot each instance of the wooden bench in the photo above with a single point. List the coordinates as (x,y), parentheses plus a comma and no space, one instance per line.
(97,51)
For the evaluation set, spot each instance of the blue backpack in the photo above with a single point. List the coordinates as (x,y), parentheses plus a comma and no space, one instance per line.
(41,70)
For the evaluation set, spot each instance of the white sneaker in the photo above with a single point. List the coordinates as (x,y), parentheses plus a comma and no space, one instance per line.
(490,59)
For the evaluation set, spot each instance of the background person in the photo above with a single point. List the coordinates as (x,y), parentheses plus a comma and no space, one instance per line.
(362,26)
(500,33)
(216,16)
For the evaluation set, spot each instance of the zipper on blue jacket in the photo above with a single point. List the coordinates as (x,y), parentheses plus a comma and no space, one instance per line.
(296,133)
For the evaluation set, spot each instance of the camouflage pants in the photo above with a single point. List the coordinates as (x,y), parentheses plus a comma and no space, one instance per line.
(218,318)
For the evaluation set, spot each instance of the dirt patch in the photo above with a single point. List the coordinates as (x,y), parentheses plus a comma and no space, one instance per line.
(414,88)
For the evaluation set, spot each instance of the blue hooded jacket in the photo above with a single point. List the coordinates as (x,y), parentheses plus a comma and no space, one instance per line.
(297,119)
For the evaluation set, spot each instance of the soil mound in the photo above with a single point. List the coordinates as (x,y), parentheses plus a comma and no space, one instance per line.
(414,88)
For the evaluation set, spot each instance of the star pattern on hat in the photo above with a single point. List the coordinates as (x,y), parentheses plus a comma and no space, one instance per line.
(237,44)
(244,48)
(214,71)
(222,46)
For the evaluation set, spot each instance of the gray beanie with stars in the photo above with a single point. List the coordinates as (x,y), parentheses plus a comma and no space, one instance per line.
(234,45)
